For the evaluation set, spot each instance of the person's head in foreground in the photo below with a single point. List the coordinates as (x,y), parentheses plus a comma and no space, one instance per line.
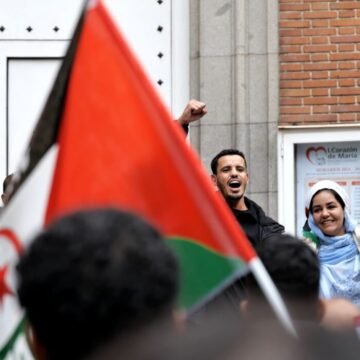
(93,275)
(294,268)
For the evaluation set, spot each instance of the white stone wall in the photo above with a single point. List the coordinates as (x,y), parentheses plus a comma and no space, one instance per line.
(34,36)
(234,69)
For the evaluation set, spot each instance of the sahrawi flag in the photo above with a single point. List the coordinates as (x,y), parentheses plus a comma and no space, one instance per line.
(106,139)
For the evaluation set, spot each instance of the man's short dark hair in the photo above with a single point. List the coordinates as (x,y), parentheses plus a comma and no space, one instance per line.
(92,275)
(292,264)
(294,268)
(225,152)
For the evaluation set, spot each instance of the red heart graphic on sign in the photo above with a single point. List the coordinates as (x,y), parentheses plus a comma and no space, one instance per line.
(315,153)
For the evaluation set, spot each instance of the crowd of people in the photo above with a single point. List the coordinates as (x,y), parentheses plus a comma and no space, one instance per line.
(102,283)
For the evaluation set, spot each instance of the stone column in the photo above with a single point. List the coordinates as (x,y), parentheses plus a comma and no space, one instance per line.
(234,69)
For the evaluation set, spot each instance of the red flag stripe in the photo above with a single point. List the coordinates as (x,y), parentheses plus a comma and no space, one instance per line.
(140,120)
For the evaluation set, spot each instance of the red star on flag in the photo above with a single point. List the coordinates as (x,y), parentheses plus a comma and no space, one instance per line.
(4,288)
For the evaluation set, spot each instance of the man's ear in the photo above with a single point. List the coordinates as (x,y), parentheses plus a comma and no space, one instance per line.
(37,350)
(214,179)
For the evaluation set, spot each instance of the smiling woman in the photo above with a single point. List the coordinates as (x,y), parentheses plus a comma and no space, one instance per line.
(327,209)
(333,229)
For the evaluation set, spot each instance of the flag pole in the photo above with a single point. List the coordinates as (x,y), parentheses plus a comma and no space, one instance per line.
(272,294)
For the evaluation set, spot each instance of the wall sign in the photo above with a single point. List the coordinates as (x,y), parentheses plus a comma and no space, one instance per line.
(337,161)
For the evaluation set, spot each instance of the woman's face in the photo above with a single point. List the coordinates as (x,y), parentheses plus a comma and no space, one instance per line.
(328,213)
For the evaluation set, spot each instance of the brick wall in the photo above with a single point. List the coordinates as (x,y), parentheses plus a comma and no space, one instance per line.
(319,61)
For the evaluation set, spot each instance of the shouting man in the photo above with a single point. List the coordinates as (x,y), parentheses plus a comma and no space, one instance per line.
(230,175)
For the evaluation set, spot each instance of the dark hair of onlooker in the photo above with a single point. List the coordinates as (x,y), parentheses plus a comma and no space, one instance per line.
(294,268)
(336,195)
(92,275)
(225,152)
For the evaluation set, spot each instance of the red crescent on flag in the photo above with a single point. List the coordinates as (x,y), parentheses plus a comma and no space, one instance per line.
(12,237)
(14,241)
(4,288)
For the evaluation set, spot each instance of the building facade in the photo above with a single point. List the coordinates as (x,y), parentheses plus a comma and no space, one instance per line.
(281,78)
(33,40)
(235,69)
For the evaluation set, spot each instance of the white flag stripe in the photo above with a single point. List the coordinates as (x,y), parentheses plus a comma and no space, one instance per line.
(27,208)
(24,216)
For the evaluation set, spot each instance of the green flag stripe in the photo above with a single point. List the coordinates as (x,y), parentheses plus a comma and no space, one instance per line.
(10,344)
(310,235)
(195,261)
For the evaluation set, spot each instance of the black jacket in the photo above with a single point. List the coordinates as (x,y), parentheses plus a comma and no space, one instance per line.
(256,225)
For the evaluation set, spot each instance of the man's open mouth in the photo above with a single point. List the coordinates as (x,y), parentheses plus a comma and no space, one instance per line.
(234,184)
